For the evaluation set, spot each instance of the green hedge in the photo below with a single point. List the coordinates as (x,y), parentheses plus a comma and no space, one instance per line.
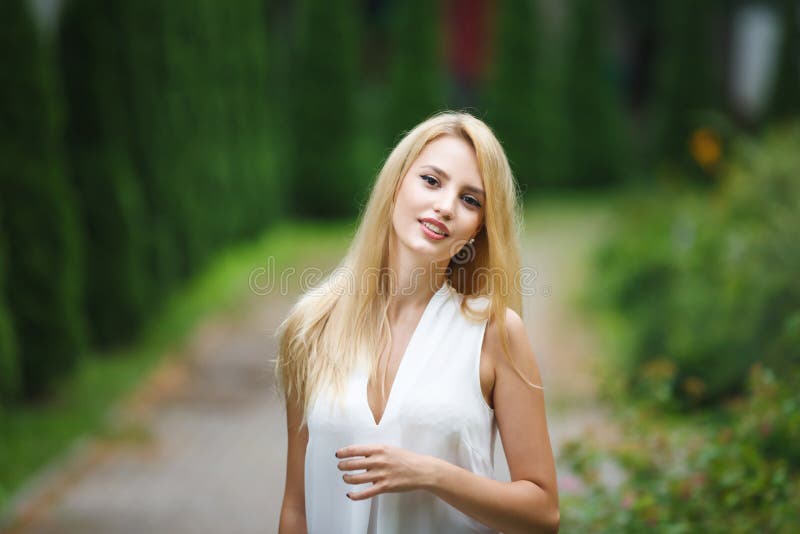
(522,98)
(168,135)
(416,87)
(113,217)
(596,134)
(9,366)
(323,180)
(150,136)
(162,155)
(709,286)
(687,81)
(44,265)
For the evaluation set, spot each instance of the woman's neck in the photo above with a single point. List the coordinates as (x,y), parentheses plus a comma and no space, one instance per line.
(413,281)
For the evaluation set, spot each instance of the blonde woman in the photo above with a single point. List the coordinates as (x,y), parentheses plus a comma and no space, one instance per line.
(401,367)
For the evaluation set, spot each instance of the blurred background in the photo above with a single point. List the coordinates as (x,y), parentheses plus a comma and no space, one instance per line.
(156,154)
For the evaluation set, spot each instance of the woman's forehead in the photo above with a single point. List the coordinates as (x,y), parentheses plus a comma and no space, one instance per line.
(451,157)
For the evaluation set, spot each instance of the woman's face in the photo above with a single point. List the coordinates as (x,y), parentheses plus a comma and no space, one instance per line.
(443,187)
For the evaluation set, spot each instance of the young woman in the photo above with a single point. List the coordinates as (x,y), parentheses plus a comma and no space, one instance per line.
(400,368)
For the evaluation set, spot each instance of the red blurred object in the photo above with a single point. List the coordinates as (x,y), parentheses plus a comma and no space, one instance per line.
(469,24)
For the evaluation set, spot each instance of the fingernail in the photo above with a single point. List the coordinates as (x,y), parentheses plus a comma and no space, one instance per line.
(336,454)
(349,497)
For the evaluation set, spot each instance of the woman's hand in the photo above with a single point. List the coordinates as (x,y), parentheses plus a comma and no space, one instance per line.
(390,469)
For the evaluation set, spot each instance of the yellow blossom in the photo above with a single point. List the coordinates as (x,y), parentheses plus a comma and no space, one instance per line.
(694,386)
(705,147)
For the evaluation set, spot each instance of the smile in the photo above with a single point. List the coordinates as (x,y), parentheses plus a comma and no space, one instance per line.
(432,230)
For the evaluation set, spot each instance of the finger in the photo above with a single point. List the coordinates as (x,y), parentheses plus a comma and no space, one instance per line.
(361,478)
(358,450)
(374,490)
(352,465)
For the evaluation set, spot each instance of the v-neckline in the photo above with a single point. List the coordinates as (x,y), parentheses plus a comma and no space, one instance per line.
(400,366)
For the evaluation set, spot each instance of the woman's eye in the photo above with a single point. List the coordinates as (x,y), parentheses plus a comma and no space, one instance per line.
(430,179)
(472,200)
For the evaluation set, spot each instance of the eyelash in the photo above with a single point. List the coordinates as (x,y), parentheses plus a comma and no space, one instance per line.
(476,204)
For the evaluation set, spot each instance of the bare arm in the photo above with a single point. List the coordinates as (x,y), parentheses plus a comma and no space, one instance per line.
(293,510)
(530,502)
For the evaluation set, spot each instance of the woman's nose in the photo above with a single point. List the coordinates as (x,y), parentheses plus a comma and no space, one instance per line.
(444,209)
(444,205)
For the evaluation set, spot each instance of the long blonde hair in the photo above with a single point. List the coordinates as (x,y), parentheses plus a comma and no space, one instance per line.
(334,327)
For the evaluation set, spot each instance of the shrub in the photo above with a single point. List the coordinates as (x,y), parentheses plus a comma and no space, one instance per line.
(739,477)
(709,285)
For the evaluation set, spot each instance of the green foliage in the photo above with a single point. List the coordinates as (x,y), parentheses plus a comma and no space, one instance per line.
(522,98)
(323,181)
(687,80)
(9,366)
(198,127)
(169,144)
(44,264)
(114,224)
(739,477)
(416,83)
(148,135)
(709,286)
(785,99)
(592,114)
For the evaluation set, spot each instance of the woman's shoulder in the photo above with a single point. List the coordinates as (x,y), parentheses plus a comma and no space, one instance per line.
(515,333)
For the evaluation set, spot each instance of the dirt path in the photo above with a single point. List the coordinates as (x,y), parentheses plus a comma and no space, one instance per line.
(202,446)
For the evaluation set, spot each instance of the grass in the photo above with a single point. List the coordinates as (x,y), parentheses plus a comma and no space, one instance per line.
(33,435)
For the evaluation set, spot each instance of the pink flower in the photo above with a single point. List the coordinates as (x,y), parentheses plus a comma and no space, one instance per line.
(627,501)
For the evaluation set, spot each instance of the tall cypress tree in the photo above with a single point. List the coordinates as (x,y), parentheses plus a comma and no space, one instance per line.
(236,79)
(416,84)
(9,365)
(44,262)
(190,115)
(94,78)
(150,136)
(255,111)
(592,113)
(324,181)
(686,79)
(521,99)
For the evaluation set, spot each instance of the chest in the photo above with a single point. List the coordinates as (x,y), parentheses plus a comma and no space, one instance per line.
(390,364)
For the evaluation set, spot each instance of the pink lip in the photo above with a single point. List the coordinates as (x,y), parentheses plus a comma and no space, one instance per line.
(438,225)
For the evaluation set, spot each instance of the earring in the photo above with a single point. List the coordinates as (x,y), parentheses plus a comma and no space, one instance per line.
(466,254)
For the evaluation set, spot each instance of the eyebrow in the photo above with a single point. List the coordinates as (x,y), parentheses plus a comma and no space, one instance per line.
(441,172)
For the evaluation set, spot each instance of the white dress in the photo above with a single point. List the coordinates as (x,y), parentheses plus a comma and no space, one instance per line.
(435,407)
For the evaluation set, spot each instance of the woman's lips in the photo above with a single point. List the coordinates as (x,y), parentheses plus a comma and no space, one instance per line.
(430,233)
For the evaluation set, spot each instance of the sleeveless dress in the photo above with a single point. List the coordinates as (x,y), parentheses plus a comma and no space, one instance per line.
(435,407)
